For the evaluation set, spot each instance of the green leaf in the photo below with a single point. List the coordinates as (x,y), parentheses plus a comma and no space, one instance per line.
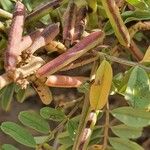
(124,144)
(35,121)
(139,4)
(132,117)
(7,96)
(138,89)
(120,81)
(52,114)
(6,5)
(97,133)
(124,131)
(21,95)
(8,147)
(28,4)
(65,139)
(72,127)
(18,133)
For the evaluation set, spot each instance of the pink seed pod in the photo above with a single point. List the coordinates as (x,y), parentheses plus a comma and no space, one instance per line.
(80,23)
(69,23)
(65,81)
(27,40)
(72,54)
(15,37)
(48,34)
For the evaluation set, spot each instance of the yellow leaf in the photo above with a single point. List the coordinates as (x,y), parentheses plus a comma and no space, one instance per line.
(99,90)
(146,57)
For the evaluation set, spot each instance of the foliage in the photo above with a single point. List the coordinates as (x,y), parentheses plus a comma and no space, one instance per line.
(58,37)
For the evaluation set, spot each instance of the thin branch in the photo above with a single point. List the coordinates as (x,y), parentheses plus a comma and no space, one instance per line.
(106,128)
(123,61)
(63,122)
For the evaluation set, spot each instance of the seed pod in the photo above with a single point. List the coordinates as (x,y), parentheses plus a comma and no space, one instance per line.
(55,46)
(48,34)
(79,24)
(91,120)
(72,54)
(116,21)
(64,81)
(69,23)
(15,37)
(99,90)
(27,40)
(42,90)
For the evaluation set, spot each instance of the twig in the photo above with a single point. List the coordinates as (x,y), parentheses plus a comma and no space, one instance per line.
(124,62)
(46,36)
(137,53)
(72,54)
(84,60)
(106,128)
(82,123)
(63,122)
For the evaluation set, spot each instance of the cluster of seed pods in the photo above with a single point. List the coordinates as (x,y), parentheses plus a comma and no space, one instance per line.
(23,67)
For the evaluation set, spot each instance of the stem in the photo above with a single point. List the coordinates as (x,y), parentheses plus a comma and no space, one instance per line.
(82,123)
(81,62)
(106,129)
(136,52)
(63,122)
(124,62)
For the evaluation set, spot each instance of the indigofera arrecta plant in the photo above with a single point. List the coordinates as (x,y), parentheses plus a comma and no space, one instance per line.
(87,61)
